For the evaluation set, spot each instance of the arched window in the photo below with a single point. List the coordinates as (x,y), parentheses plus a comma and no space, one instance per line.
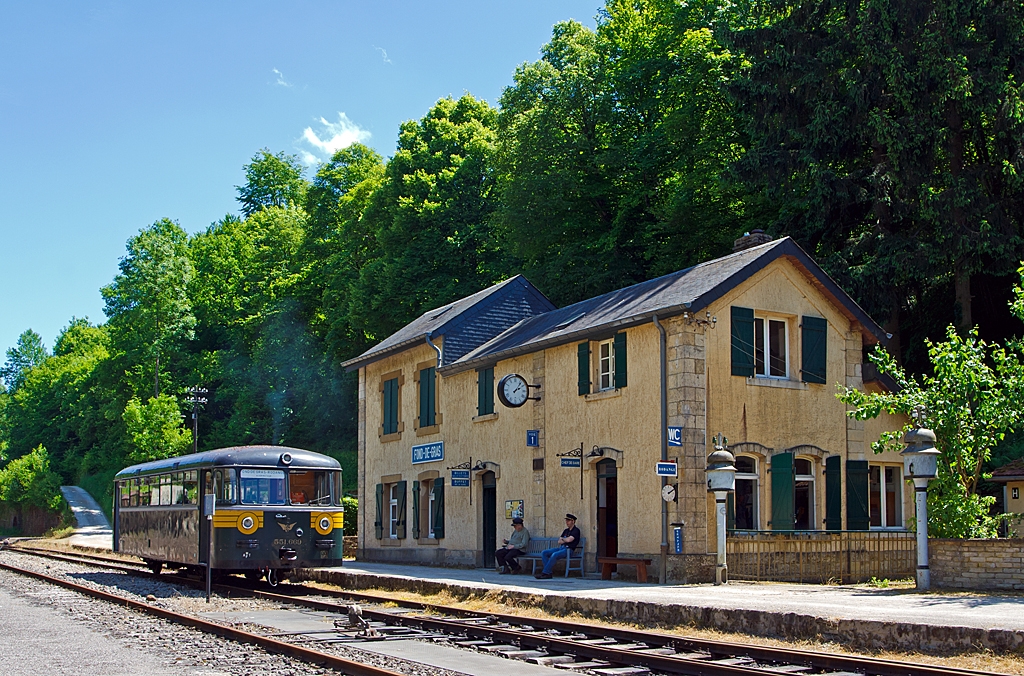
(746,498)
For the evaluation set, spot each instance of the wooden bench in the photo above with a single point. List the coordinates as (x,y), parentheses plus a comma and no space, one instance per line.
(538,545)
(609,562)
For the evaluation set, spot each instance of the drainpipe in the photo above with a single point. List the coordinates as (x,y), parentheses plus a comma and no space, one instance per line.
(663,573)
(436,348)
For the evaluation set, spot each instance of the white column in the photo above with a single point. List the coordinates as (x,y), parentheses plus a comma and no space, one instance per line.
(923,573)
(721,570)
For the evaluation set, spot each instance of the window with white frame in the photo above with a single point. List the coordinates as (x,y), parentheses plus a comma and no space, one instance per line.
(745,504)
(885,496)
(803,494)
(771,356)
(393,511)
(606,365)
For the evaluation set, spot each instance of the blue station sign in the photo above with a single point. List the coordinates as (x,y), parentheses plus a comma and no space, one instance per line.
(667,469)
(460,477)
(533,437)
(675,436)
(428,452)
(570,462)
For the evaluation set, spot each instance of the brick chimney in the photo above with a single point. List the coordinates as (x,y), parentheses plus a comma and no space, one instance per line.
(751,239)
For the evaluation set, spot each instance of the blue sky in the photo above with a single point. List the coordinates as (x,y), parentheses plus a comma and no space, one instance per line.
(116,114)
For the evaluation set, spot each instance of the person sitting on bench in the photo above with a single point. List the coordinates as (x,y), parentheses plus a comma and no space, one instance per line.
(567,543)
(515,546)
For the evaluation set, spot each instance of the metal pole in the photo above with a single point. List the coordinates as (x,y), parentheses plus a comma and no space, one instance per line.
(663,572)
(923,572)
(721,570)
(209,558)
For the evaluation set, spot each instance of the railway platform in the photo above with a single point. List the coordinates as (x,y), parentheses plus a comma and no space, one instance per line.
(93,528)
(866,616)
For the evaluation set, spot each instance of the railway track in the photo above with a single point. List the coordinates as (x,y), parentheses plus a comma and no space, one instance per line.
(568,645)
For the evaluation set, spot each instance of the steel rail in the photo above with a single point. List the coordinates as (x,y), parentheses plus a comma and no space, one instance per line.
(717,649)
(269,644)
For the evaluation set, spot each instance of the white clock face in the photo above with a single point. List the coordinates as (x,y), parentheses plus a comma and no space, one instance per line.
(668,493)
(515,390)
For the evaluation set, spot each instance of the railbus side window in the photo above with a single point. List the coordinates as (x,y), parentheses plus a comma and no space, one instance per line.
(224,486)
(133,498)
(124,490)
(165,490)
(262,486)
(190,485)
(177,492)
(309,487)
(338,495)
(144,491)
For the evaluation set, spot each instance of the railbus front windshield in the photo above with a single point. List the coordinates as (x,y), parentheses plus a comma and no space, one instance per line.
(262,486)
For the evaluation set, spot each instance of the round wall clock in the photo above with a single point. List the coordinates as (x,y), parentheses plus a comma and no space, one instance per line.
(513,390)
(668,493)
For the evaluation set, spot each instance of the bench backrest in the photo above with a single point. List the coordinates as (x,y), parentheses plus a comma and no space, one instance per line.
(538,545)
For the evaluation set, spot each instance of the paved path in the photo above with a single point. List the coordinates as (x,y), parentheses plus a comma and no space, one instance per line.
(831,602)
(93,528)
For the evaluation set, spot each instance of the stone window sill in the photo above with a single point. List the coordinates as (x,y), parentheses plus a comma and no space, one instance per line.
(424,431)
(428,541)
(485,417)
(395,436)
(781,383)
(390,542)
(604,394)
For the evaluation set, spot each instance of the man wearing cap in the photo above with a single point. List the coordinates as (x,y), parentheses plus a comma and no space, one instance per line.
(566,546)
(515,546)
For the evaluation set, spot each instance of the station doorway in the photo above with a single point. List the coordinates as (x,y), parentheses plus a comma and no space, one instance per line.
(489,516)
(607,509)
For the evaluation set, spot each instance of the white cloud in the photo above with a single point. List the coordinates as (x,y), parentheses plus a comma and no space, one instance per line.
(280,78)
(383,53)
(332,137)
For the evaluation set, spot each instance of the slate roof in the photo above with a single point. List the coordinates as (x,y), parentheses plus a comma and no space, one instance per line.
(687,290)
(466,323)
(1012,471)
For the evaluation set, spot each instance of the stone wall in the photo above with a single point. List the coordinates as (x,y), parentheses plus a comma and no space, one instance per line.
(28,520)
(976,564)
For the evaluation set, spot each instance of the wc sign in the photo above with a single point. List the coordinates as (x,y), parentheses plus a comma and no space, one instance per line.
(675,436)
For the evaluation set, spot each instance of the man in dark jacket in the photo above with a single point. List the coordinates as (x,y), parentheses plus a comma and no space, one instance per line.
(567,544)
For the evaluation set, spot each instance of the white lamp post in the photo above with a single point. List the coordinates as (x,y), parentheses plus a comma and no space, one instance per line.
(721,471)
(920,463)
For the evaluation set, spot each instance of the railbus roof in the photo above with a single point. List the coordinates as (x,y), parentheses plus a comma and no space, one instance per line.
(249,456)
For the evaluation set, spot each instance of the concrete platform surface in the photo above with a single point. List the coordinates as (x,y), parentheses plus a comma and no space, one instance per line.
(93,528)
(445,657)
(835,602)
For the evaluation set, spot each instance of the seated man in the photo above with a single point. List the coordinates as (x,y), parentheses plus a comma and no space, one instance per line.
(514,547)
(567,543)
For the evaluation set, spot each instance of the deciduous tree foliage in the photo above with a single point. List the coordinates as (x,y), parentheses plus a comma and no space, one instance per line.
(154,429)
(271,180)
(27,354)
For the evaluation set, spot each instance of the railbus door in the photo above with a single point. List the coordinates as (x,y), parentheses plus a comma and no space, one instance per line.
(489,513)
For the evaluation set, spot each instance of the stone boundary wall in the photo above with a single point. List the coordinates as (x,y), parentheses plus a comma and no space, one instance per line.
(859,634)
(976,564)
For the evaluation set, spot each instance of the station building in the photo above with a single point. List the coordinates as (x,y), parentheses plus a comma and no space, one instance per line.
(752,345)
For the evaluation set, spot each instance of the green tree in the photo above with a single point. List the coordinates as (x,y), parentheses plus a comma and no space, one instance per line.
(971,399)
(29,482)
(155,430)
(147,305)
(27,354)
(271,181)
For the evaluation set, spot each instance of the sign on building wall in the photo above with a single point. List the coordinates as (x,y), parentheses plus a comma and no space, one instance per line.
(667,469)
(460,477)
(533,437)
(675,436)
(570,462)
(428,452)
(513,509)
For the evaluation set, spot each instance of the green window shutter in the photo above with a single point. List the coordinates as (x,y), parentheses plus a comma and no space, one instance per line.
(583,360)
(427,397)
(833,493)
(438,508)
(390,406)
(416,510)
(730,511)
(814,339)
(485,391)
(742,327)
(782,491)
(857,495)
(402,487)
(378,525)
(620,359)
